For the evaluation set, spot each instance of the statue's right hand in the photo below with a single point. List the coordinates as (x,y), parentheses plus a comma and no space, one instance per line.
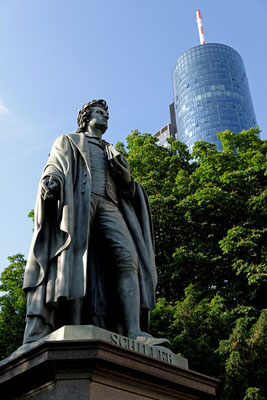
(49,188)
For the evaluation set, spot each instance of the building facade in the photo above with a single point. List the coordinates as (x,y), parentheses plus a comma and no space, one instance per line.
(163,134)
(168,130)
(211,94)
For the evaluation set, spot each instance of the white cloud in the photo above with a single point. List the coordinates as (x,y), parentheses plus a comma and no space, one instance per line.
(3,108)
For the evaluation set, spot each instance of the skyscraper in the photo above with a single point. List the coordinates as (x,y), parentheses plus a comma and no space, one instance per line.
(211,94)
(168,130)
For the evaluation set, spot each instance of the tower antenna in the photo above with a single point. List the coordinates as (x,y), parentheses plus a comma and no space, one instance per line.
(200,27)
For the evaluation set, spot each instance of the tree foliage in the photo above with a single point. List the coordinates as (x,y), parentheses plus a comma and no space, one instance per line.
(12,305)
(209,212)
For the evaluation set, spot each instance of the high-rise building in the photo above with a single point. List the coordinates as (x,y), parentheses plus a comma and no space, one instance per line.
(168,130)
(163,134)
(211,94)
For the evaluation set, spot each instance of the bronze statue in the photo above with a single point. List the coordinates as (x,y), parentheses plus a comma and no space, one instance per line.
(92,255)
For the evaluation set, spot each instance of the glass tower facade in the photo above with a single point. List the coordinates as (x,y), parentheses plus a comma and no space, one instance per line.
(211,94)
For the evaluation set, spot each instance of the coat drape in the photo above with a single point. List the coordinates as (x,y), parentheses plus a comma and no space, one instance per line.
(59,263)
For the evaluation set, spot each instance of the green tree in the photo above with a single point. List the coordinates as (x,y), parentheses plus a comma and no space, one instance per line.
(246,358)
(220,215)
(194,326)
(12,306)
(210,226)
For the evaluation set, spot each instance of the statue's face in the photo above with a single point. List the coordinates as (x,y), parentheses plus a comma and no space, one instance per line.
(99,119)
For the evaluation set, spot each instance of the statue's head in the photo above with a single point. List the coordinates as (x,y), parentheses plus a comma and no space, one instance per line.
(87,113)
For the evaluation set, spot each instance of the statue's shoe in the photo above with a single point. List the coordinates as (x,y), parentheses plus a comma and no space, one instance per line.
(151,341)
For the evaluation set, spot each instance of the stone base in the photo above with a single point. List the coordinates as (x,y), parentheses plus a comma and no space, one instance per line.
(67,365)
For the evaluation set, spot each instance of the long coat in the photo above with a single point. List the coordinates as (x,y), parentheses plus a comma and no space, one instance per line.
(60,261)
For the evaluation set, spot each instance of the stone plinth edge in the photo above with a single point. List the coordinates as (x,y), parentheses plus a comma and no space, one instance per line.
(64,368)
(89,332)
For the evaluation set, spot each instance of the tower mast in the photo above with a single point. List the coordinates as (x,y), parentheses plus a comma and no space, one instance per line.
(200,27)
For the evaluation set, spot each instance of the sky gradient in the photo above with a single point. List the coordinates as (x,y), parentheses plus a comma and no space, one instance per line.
(58,54)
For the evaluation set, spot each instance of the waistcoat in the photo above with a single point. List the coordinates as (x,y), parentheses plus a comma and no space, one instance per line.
(102,182)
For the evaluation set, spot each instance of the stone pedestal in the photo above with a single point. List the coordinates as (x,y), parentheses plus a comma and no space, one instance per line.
(66,365)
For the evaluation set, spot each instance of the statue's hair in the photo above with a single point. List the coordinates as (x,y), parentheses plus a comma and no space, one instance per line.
(85,112)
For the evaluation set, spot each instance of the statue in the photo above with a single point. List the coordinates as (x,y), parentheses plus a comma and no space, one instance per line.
(91,259)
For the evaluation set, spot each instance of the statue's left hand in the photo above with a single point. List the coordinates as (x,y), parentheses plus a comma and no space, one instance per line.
(121,170)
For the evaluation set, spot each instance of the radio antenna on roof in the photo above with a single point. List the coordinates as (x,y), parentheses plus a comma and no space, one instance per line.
(200,27)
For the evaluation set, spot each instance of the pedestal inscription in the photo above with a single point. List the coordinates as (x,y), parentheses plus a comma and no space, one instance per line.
(65,365)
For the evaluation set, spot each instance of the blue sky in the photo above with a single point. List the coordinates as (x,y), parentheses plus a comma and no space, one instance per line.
(58,54)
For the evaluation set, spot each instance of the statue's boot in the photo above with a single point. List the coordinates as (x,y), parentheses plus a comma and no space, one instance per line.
(151,341)
(129,296)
